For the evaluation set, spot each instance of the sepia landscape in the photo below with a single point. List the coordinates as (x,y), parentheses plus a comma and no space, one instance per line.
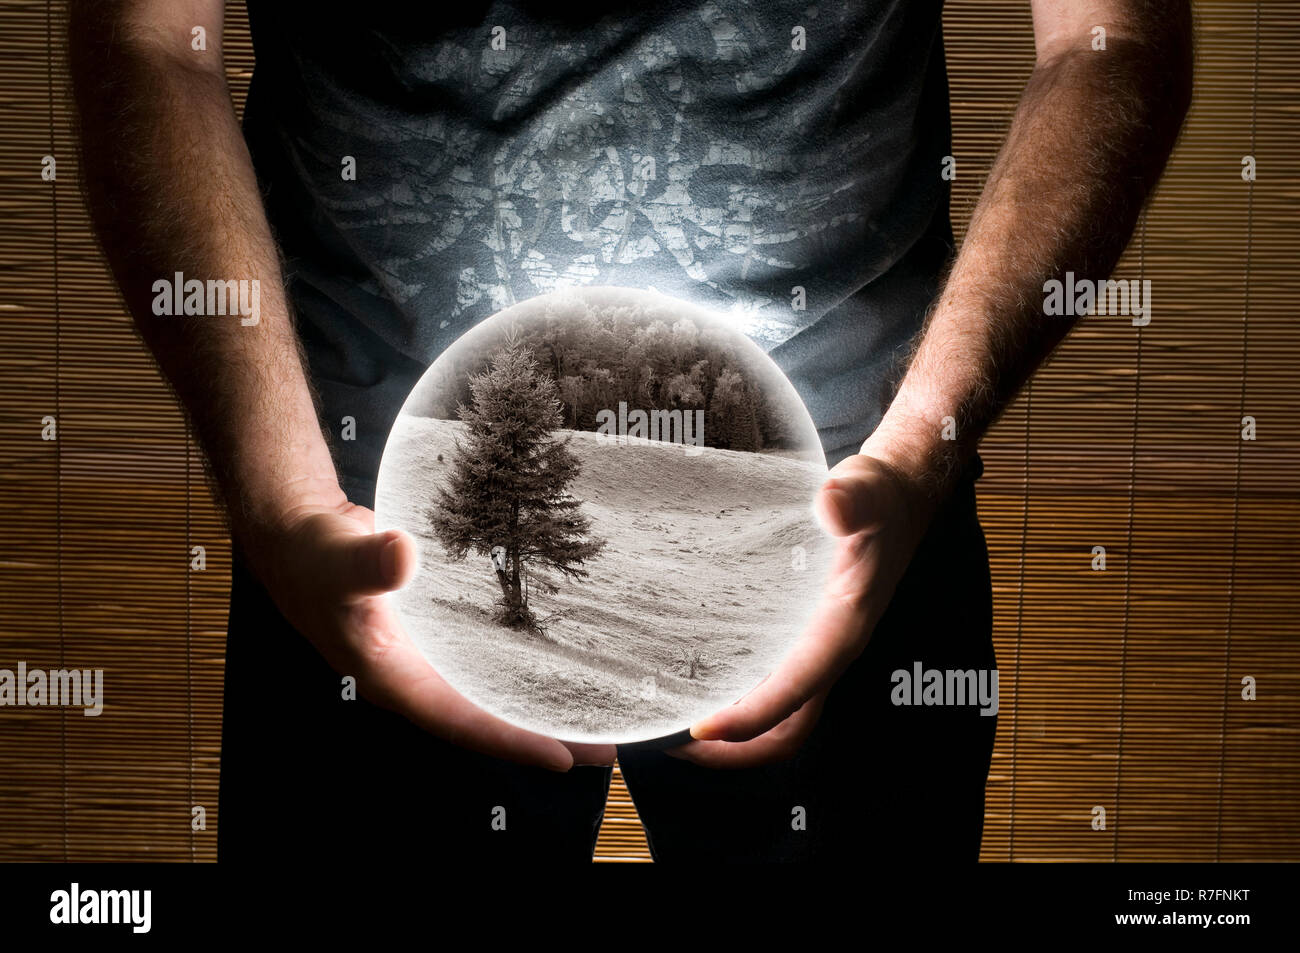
(588,581)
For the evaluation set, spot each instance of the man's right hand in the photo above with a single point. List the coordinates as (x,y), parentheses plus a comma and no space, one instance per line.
(190,202)
(328,573)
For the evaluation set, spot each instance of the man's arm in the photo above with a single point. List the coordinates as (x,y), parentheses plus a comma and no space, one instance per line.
(171,188)
(1088,143)
(1089,140)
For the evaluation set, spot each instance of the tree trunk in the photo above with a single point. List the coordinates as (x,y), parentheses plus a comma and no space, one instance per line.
(516,590)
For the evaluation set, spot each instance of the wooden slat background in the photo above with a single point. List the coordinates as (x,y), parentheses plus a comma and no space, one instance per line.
(1121,689)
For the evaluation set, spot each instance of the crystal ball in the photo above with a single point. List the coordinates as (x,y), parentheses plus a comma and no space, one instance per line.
(611,496)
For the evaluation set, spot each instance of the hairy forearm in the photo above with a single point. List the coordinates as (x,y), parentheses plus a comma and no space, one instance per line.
(1088,142)
(171,188)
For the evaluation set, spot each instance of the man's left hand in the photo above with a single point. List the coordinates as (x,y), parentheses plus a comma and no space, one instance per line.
(880,515)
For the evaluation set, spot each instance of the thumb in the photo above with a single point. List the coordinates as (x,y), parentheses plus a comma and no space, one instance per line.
(849,500)
(367,564)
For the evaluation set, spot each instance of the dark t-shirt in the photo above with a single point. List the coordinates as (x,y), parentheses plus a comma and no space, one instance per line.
(722,151)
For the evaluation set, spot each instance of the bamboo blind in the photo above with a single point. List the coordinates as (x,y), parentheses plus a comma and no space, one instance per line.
(1120,688)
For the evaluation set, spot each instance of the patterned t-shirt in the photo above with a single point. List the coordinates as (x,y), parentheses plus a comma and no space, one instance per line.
(778,161)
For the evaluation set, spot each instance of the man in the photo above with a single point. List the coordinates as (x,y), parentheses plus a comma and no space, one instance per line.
(417,172)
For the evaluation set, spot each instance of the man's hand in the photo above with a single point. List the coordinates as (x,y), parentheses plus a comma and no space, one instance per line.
(328,572)
(880,516)
(185,198)
(1053,203)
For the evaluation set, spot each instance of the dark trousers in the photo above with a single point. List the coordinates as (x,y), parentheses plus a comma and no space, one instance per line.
(308,776)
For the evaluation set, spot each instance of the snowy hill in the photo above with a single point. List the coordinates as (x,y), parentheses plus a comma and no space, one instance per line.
(695,597)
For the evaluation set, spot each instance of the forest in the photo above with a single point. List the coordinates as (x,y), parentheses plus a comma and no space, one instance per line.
(601,358)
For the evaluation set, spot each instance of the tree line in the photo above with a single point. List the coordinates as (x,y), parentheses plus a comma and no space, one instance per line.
(599,358)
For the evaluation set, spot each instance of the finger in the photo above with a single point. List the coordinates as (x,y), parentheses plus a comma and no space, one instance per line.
(361,564)
(779,744)
(831,641)
(584,753)
(849,501)
(402,680)
(731,755)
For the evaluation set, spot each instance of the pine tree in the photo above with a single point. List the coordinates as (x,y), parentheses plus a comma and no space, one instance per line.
(507,496)
(733,412)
